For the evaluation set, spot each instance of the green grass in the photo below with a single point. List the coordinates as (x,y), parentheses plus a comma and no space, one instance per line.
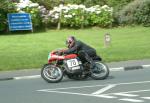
(30,50)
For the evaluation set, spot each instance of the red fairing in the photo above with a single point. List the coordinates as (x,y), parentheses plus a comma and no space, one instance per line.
(70,56)
(55,57)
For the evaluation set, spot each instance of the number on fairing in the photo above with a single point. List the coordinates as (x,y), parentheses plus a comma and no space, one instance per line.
(72,63)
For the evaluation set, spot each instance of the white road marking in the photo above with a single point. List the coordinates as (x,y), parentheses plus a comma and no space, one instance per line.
(137,91)
(91,95)
(75,87)
(61,92)
(146,66)
(131,100)
(108,95)
(103,89)
(37,76)
(145,97)
(124,94)
(117,69)
(27,77)
(105,96)
(141,82)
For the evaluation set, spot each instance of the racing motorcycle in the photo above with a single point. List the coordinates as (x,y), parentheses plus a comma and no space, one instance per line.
(71,66)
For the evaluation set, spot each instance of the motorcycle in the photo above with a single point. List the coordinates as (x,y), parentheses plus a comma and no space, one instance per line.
(71,66)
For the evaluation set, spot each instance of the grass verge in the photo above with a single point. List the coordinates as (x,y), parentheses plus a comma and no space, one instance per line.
(26,51)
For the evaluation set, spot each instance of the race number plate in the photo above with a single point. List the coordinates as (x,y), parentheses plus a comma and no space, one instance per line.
(72,63)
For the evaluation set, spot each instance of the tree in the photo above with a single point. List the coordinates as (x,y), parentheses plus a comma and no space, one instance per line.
(6,6)
(118,4)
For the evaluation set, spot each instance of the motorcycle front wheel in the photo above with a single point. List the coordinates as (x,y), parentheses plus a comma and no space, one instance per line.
(51,73)
(100,72)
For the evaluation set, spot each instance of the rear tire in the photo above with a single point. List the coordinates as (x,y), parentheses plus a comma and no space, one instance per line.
(102,71)
(51,73)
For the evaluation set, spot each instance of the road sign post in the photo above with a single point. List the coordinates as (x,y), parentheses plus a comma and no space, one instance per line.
(107,40)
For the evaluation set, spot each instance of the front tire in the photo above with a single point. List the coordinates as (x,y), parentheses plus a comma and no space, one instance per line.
(51,73)
(102,71)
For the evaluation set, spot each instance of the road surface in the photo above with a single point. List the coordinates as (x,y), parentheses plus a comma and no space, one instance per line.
(119,87)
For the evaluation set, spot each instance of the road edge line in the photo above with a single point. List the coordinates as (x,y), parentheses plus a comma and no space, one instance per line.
(111,69)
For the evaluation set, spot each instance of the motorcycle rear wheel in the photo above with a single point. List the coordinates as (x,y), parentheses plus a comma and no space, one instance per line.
(51,73)
(102,71)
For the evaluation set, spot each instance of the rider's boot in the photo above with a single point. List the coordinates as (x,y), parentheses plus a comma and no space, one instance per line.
(90,61)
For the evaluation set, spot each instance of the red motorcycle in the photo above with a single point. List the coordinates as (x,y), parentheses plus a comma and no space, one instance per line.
(71,66)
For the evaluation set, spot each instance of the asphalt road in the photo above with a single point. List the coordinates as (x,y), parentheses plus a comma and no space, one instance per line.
(119,87)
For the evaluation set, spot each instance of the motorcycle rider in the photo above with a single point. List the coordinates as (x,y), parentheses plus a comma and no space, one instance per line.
(85,52)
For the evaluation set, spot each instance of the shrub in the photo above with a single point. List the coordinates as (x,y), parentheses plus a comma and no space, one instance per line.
(137,12)
(79,15)
(142,15)
(118,4)
(3,21)
(73,15)
(101,16)
(48,4)
(14,6)
(34,9)
(6,6)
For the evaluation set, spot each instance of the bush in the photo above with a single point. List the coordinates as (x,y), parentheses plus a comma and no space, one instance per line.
(3,21)
(118,4)
(34,9)
(142,15)
(137,12)
(87,3)
(14,6)
(73,15)
(48,4)
(79,15)
(101,16)
(6,6)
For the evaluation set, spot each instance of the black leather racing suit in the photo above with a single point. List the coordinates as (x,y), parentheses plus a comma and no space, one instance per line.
(84,51)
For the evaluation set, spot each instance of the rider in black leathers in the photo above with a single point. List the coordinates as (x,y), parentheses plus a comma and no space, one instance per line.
(84,51)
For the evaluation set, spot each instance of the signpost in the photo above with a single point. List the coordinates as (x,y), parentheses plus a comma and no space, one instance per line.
(107,40)
(19,21)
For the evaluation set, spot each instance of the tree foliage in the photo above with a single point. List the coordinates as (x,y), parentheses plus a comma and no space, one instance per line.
(6,6)
(137,12)
(117,4)
(48,4)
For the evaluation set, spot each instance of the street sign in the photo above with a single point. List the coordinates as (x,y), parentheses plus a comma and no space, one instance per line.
(19,21)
